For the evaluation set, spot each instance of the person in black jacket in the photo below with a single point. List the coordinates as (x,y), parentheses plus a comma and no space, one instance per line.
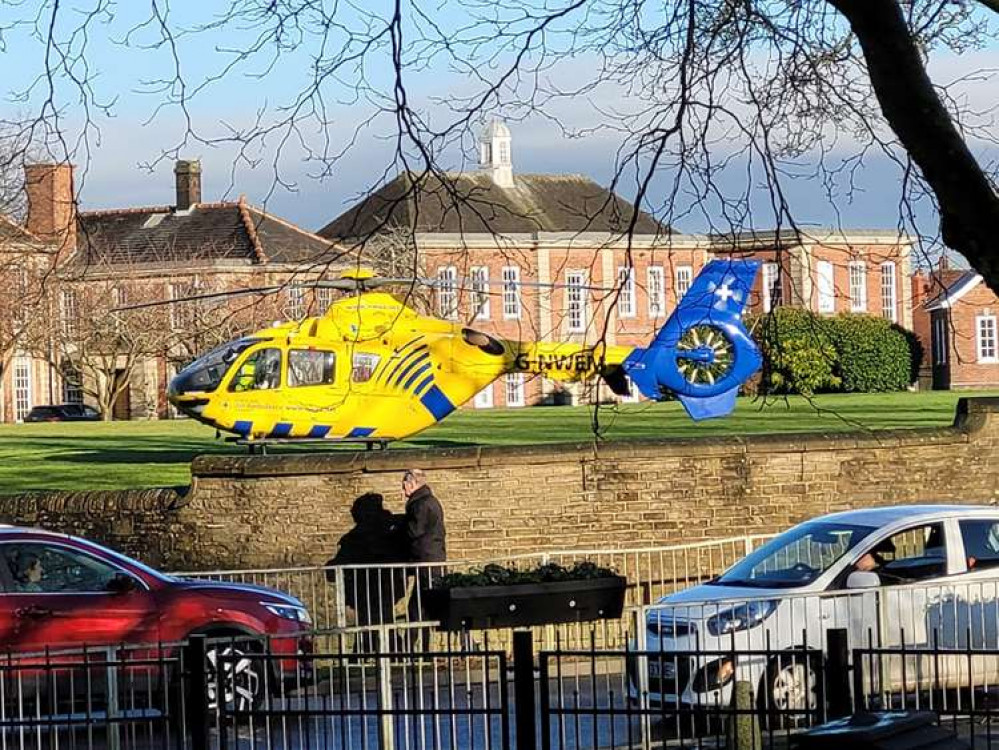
(425,536)
(424,519)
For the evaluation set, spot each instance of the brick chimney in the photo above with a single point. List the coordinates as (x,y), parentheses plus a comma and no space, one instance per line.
(188,179)
(51,203)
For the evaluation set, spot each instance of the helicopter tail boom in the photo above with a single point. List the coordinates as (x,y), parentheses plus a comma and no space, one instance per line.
(703,353)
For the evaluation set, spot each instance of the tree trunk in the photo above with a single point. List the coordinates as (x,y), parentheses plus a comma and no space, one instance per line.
(969,206)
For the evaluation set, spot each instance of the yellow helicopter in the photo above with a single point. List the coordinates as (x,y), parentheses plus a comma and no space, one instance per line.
(374,370)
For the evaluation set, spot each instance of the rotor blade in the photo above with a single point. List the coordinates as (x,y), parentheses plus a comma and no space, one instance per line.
(259,291)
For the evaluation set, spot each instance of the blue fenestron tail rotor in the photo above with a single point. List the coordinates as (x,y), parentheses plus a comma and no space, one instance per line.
(703,353)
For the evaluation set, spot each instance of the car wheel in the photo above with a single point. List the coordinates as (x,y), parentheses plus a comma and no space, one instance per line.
(788,697)
(235,678)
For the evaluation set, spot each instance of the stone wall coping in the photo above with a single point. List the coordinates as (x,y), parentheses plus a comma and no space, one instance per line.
(972,415)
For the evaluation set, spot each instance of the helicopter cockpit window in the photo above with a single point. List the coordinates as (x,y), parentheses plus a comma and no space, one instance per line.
(260,372)
(364,367)
(206,372)
(311,367)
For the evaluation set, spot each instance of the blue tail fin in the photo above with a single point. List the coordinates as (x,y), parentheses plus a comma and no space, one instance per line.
(703,353)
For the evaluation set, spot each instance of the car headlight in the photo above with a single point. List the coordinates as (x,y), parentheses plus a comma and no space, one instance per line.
(289,612)
(743,617)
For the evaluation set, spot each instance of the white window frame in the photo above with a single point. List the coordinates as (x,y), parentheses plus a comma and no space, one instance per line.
(657,291)
(684,280)
(324,299)
(889,291)
(297,306)
(626,307)
(68,310)
(858,287)
(447,292)
(771,288)
(23,388)
(575,301)
(939,340)
(480,292)
(825,284)
(484,398)
(987,339)
(72,388)
(514,389)
(511,293)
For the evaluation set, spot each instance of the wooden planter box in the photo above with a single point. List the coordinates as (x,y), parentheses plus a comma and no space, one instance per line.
(525,604)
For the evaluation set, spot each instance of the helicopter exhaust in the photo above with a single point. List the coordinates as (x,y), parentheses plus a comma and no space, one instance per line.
(703,354)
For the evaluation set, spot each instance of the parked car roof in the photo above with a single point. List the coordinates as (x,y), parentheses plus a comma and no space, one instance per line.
(883,516)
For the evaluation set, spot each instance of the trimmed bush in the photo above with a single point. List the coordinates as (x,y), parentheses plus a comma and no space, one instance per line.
(872,354)
(798,354)
(807,353)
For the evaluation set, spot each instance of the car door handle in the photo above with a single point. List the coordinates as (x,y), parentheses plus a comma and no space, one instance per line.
(33,613)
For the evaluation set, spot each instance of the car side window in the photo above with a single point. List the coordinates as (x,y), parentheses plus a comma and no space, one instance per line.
(47,569)
(981,543)
(915,554)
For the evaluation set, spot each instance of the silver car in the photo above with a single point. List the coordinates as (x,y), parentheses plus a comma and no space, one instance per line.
(918,575)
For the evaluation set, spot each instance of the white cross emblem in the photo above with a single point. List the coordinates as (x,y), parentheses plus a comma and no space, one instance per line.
(725,293)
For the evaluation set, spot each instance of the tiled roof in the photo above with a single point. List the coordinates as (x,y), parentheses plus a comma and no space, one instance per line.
(473,203)
(207,232)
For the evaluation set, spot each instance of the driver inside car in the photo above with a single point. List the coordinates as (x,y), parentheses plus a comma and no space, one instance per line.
(874,560)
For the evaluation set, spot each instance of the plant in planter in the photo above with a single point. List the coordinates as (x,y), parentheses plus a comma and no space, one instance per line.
(503,597)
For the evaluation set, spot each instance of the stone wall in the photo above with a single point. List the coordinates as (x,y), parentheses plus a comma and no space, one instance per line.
(275,511)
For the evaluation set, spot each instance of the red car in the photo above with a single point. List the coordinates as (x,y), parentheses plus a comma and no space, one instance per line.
(61,592)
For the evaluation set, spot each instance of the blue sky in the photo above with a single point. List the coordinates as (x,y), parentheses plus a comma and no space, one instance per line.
(133,132)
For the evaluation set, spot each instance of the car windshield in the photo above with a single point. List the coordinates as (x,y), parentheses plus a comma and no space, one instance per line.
(205,373)
(795,558)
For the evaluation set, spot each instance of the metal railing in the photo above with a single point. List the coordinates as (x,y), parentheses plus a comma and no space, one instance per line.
(371,595)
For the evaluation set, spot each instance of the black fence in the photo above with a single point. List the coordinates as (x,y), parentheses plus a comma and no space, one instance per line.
(378,691)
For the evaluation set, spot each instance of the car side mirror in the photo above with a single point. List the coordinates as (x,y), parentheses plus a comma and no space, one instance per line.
(863,579)
(121,584)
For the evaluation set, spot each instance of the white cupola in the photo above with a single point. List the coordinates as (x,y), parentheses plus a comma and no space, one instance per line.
(494,153)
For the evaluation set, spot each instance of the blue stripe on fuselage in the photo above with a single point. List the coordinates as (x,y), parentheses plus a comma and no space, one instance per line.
(360,432)
(413,364)
(437,403)
(319,431)
(243,427)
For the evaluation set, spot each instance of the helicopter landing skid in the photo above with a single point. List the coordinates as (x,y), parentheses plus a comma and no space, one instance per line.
(259,447)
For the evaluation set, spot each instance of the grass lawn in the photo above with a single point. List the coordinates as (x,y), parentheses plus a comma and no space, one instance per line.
(118,455)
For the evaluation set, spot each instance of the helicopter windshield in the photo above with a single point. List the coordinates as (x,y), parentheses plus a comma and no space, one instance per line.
(206,372)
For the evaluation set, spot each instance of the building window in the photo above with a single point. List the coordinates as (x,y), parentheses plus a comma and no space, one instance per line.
(515,389)
(858,286)
(575,293)
(22,388)
(184,316)
(296,302)
(511,293)
(987,347)
(684,278)
(940,344)
(889,298)
(324,299)
(826,286)
(504,149)
(72,384)
(657,292)
(447,292)
(480,292)
(771,286)
(68,312)
(484,398)
(626,299)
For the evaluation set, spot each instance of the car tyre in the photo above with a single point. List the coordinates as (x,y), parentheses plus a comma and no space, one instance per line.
(788,696)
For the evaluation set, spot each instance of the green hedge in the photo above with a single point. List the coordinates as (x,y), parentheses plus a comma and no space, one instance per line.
(807,353)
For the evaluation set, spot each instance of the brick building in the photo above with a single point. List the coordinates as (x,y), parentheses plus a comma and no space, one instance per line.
(958,324)
(140,254)
(560,257)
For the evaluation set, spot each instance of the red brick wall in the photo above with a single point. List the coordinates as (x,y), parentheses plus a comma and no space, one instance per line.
(963,368)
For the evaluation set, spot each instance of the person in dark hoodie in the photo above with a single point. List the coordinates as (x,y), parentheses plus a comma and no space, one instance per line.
(425,535)
(374,540)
